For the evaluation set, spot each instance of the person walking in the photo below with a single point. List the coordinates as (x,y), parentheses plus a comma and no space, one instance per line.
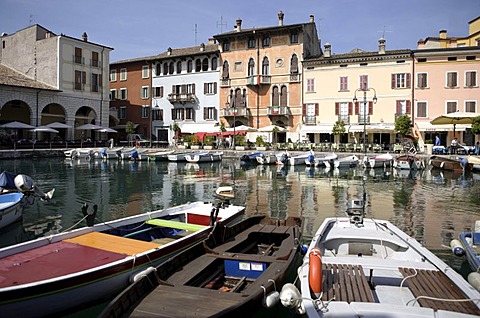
(453,146)
(437,140)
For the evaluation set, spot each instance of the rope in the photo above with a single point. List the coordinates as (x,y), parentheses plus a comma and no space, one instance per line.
(71,227)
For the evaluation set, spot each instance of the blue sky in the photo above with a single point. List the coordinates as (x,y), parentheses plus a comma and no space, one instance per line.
(147,27)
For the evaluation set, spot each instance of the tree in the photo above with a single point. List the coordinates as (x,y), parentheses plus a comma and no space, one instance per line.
(338,128)
(476,125)
(176,130)
(403,125)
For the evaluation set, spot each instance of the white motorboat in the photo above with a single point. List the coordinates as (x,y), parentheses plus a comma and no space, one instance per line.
(343,162)
(267,159)
(321,159)
(178,156)
(205,156)
(408,162)
(384,160)
(358,267)
(159,155)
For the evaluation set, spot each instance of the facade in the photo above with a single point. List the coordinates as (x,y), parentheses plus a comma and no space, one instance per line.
(261,76)
(64,80)
(367,91)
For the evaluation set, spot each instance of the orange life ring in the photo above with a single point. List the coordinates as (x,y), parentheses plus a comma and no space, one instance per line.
(315,271)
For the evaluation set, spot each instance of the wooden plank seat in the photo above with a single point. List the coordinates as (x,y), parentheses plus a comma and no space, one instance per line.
(345,283)
(176,225)
(433,283)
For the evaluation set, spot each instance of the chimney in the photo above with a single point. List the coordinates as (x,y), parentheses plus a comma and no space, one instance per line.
(312,19)
(328,50)
(280,18)
(169,51)
(85,37)
(211,41)
(442,34)
(238,26)
(202,47)
(421,44)
(381,46)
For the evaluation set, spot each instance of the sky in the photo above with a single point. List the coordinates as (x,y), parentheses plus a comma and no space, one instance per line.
(139,28)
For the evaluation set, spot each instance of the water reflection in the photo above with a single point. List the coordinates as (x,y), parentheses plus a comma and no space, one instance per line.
(433,206)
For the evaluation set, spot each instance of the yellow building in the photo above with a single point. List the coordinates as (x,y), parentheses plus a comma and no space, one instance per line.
(261,76)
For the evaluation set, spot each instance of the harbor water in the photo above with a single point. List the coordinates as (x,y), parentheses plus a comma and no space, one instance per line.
(432,206)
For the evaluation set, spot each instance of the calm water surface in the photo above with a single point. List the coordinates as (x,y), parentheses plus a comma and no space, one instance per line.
(431,206)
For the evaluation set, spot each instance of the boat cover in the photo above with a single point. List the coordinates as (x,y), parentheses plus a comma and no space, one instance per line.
(7,180)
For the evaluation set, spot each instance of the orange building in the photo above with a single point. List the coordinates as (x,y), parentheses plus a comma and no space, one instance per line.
(261,75)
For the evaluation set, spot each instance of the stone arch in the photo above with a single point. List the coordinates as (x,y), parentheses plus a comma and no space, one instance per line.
(85,115)
(16,110)
(54,112)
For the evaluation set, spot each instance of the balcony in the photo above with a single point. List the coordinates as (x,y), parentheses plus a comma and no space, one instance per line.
(265,79)
(279,111)
(252,80)
(259,80)
(224,82)
(294,78)
(345,119)
(309,120)
(363,120)
(182,98)
(236,112)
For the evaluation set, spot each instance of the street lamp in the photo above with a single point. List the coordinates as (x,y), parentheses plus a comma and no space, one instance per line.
(365,90)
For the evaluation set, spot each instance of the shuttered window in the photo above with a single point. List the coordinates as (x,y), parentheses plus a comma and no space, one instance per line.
(471,79)
(343,83)
(452,80)
(283,96)
(422,80)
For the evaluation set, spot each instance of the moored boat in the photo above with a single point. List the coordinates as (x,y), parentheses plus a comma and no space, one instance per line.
(11,207)
(321,159)
(251,157)
(205,156)
(408,162)
(359,267)
(89,265)
(178,156)
(159,155)
(475,161)
(343,162)
(267,159)
(452,163)
(231,273)
(384,160)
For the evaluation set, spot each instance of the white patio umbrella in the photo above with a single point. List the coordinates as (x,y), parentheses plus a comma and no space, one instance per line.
(89,127)
(271,128)
(58,125)
(107,130)
(44,129)
(242,128)
(455,118)
(17,125)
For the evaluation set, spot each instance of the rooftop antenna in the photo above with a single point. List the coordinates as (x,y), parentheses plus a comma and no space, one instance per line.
(221,24)
(31,19)
(384,31)
(195,31)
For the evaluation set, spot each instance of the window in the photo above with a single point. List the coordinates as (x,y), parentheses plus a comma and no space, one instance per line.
(294,38)
(265,66)
(251,67)
(275,96)
(113,94)
(310,85)
(251,43)
(165,68)
(225,70)
(144,93)
(210,113)
(226,46)
(266,41)
(95,59)
(122,112)
(189,66)
(113,75)
(158,91)
(205,65)
(210,88)
(178,114)
(77,58)
(401,80)
(179,67)
(471,79)
(157,114)
(80,80)
(95,82)
(403,107)
(364,82)
(158,69)
(214,64)
(452,80)
(422,109)
(344,83)
(452,58)
(145,70)
(171,68)
(198,65)
(123,93)
(189,114)
(283,96)
(451,107)
(294,65)
(471,106)
(422,80)
(123,74)
(343,110)
(145,111)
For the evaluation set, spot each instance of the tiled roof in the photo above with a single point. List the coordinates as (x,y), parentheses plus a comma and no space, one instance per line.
(358,54)
(12,78)
(187,51)
(260,29)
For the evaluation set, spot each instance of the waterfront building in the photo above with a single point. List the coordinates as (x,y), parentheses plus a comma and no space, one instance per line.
(261,76)
(45,78)
(366,91)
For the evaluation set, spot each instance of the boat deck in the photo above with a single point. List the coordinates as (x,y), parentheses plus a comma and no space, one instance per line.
(345,283)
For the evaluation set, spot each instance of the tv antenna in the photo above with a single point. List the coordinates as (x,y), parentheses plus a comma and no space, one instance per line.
(384,31)
(31,19)
(195,31)
(221,24)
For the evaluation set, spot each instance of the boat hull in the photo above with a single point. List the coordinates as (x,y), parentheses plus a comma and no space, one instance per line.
(204,157)
(452,164)
(11,208)
(408,162)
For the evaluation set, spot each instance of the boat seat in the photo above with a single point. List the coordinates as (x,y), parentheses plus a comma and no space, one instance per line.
(433,283)
(344,282)
(176,225)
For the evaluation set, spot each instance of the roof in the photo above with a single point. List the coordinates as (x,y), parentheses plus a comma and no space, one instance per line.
(357,54)
(10,77)
(261,29)
(187,51)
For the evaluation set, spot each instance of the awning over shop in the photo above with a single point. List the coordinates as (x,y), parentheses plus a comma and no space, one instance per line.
(427,126)
(386,128)
(191,128)
(317,129)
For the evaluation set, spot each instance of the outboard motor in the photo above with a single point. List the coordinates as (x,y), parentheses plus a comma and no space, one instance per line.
(134,155)
(463,162)
(103,153)
(311,158)
(25,184)
(284,158)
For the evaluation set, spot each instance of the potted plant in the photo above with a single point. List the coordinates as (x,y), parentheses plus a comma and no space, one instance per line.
(208,142)
(196,143)
(240,142)
(260,143)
